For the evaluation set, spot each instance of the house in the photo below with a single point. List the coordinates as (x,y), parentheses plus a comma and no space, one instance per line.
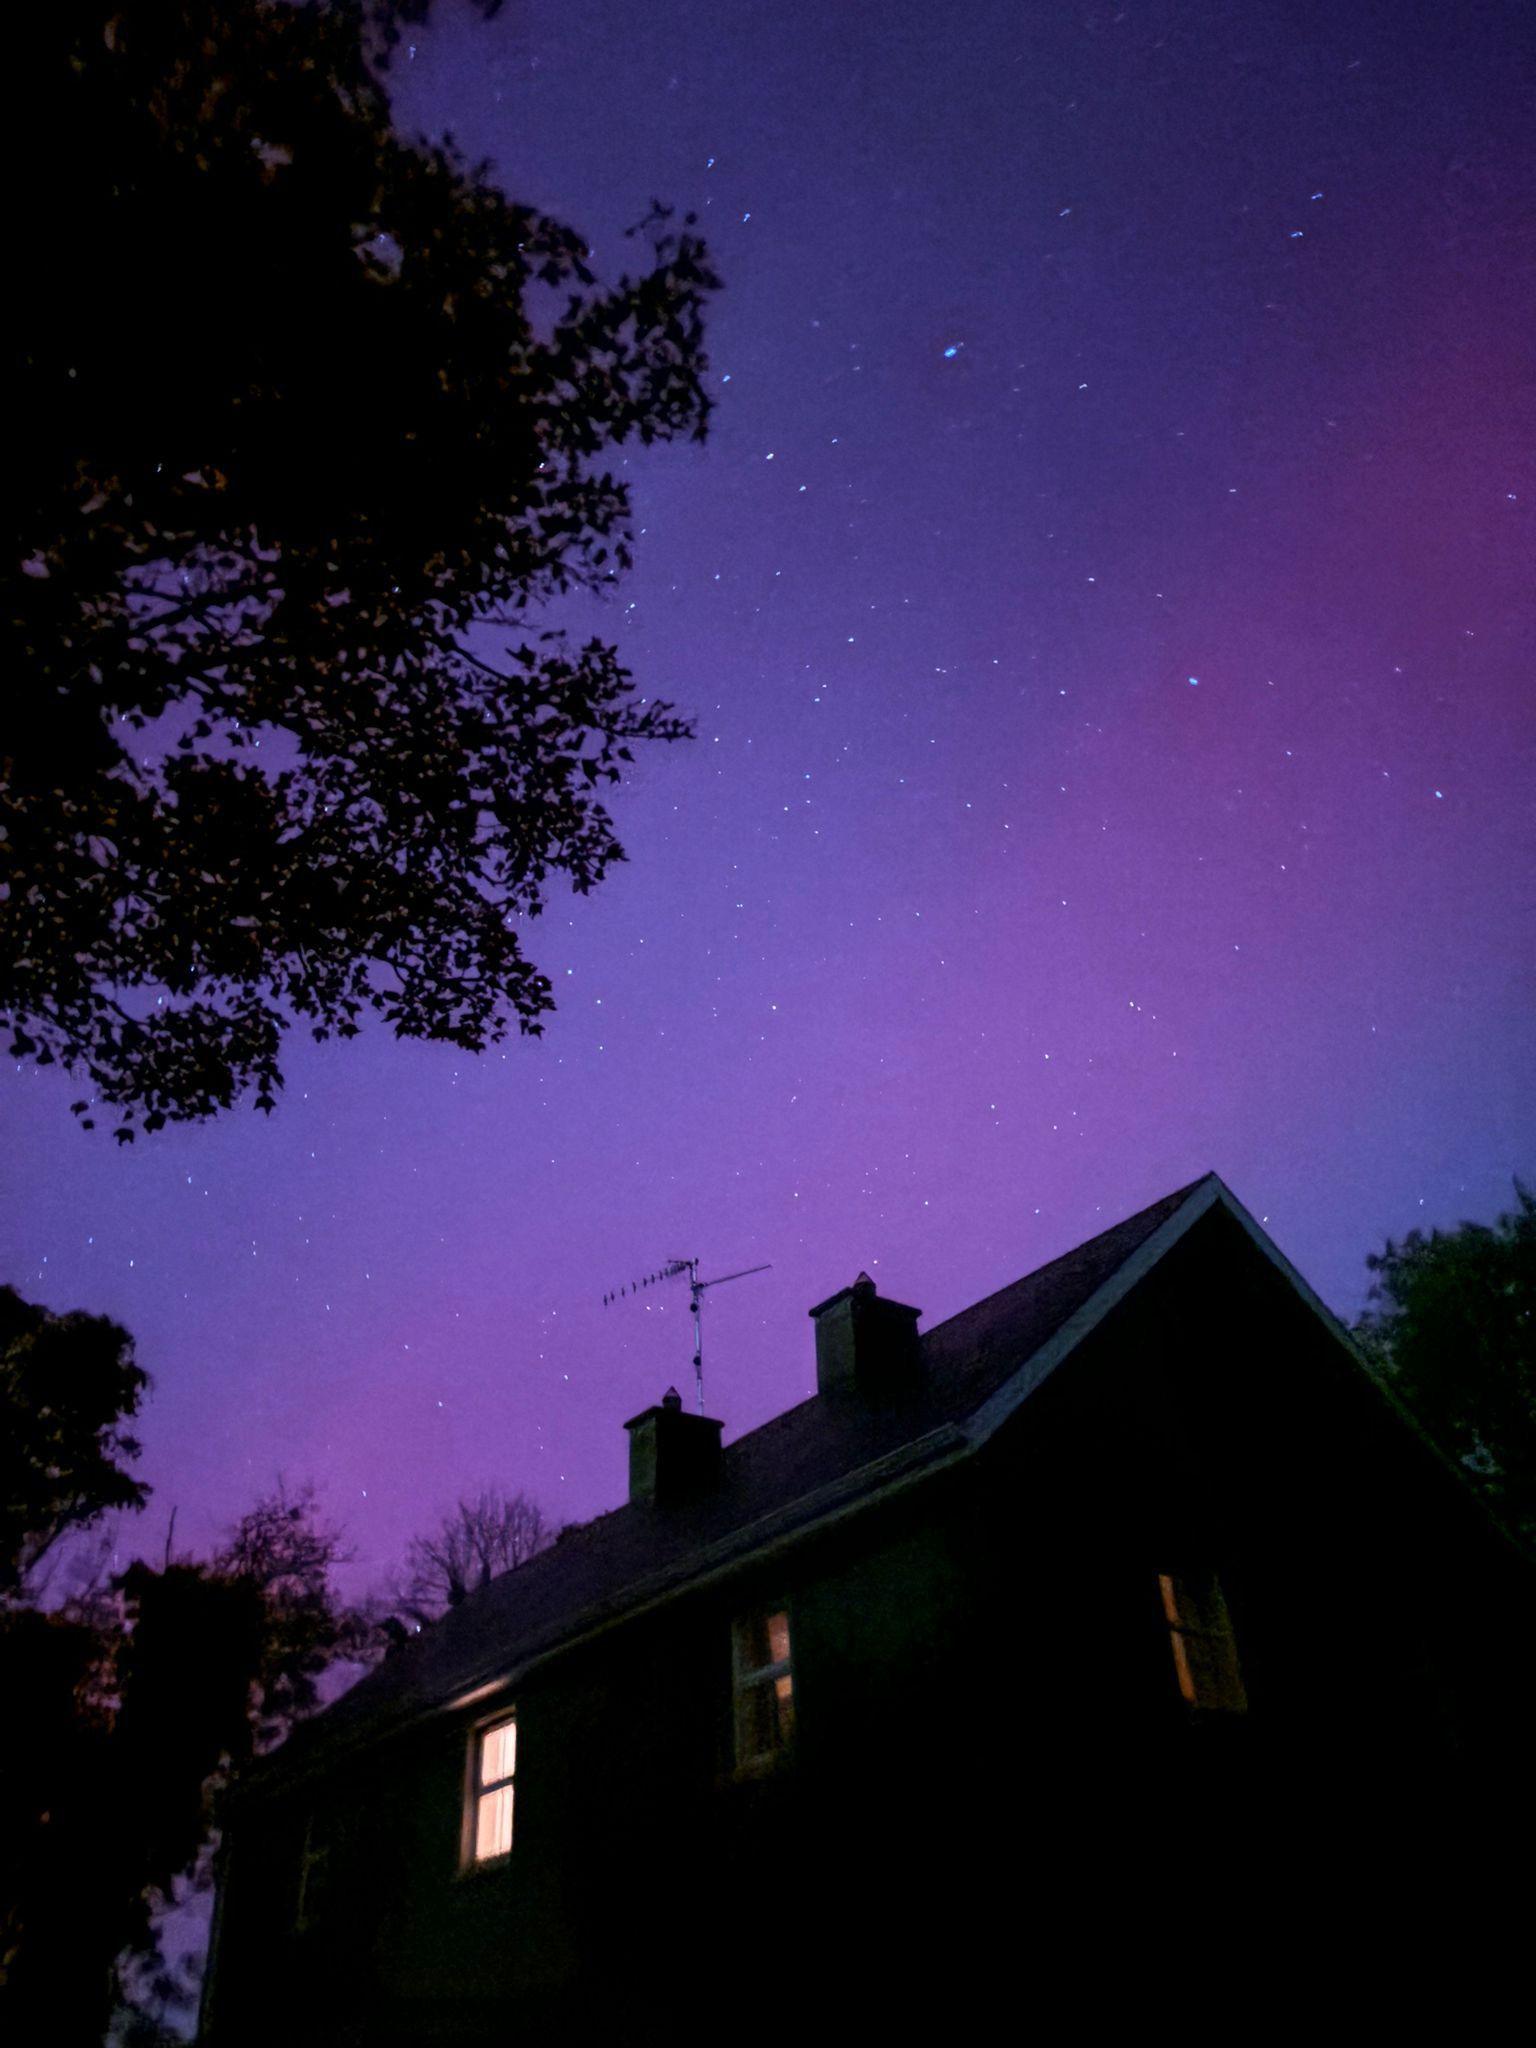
(1115,1628)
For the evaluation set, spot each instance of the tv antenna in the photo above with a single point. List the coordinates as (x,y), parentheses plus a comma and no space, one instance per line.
(674,1269)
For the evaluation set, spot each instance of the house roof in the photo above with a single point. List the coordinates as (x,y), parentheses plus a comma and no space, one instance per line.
(809,1464)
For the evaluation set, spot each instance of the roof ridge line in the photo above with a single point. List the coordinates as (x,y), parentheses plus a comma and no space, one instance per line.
(1074,1251)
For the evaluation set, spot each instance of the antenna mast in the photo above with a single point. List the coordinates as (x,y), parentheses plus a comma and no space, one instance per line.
(674,1269)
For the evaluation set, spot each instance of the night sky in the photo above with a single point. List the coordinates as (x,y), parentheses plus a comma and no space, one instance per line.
(1108,604)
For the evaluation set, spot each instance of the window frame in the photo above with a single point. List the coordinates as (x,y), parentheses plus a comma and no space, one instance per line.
(477,1788)
(1202,1642)
(314,1870)
(751,1678)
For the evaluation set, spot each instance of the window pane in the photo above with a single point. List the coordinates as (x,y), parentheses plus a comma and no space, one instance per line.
(1210,1676)
(765,1719)
(778,1639)
(493,1823)
(1204,1647)
(498,1752)
(1181,1665)
(784,1705)
(757,1725)
(1170,1592)
(312,1873)
(761,1640)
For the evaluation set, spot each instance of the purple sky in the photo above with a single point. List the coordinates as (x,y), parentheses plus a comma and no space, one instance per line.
(1108,603)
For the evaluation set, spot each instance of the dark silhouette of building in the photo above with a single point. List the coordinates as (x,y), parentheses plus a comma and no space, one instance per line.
(1113,1641)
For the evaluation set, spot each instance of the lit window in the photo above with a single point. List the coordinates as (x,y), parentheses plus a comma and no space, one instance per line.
(765,1688)
(1204,1647)
(496,1766)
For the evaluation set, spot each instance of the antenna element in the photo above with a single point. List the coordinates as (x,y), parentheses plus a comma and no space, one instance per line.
(697,1289)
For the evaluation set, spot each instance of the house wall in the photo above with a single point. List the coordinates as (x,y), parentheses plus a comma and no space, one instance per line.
(991,1747)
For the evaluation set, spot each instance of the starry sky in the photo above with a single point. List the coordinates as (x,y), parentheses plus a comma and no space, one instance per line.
(1108,604)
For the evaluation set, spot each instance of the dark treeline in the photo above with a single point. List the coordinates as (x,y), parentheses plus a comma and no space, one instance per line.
(130,1698)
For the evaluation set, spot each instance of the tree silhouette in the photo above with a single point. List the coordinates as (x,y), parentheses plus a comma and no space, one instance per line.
(285,1550)
(68,1383)
(125,1706)
(486,1534)
(113,1723)
(308,421)
(1453,1332)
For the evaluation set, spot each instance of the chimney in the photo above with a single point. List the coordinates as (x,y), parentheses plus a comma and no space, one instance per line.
(866,1345)
(673,1456)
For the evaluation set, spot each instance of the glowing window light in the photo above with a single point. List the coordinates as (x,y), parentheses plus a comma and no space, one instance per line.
(764,1689)
(496,1769)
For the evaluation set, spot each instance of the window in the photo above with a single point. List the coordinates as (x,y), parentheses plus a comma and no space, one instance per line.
(314,1860)
(495,1769)
(1204,1647)
(764,1689)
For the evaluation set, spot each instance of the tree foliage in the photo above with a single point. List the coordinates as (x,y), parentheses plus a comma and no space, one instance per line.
(308,421)
(121,1720)
(1452,1329)
(68,1385)
(124,1707)
(116,1724)
(487,1533)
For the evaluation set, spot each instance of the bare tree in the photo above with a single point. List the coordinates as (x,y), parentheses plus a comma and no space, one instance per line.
(286,1549)
(486,1534)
